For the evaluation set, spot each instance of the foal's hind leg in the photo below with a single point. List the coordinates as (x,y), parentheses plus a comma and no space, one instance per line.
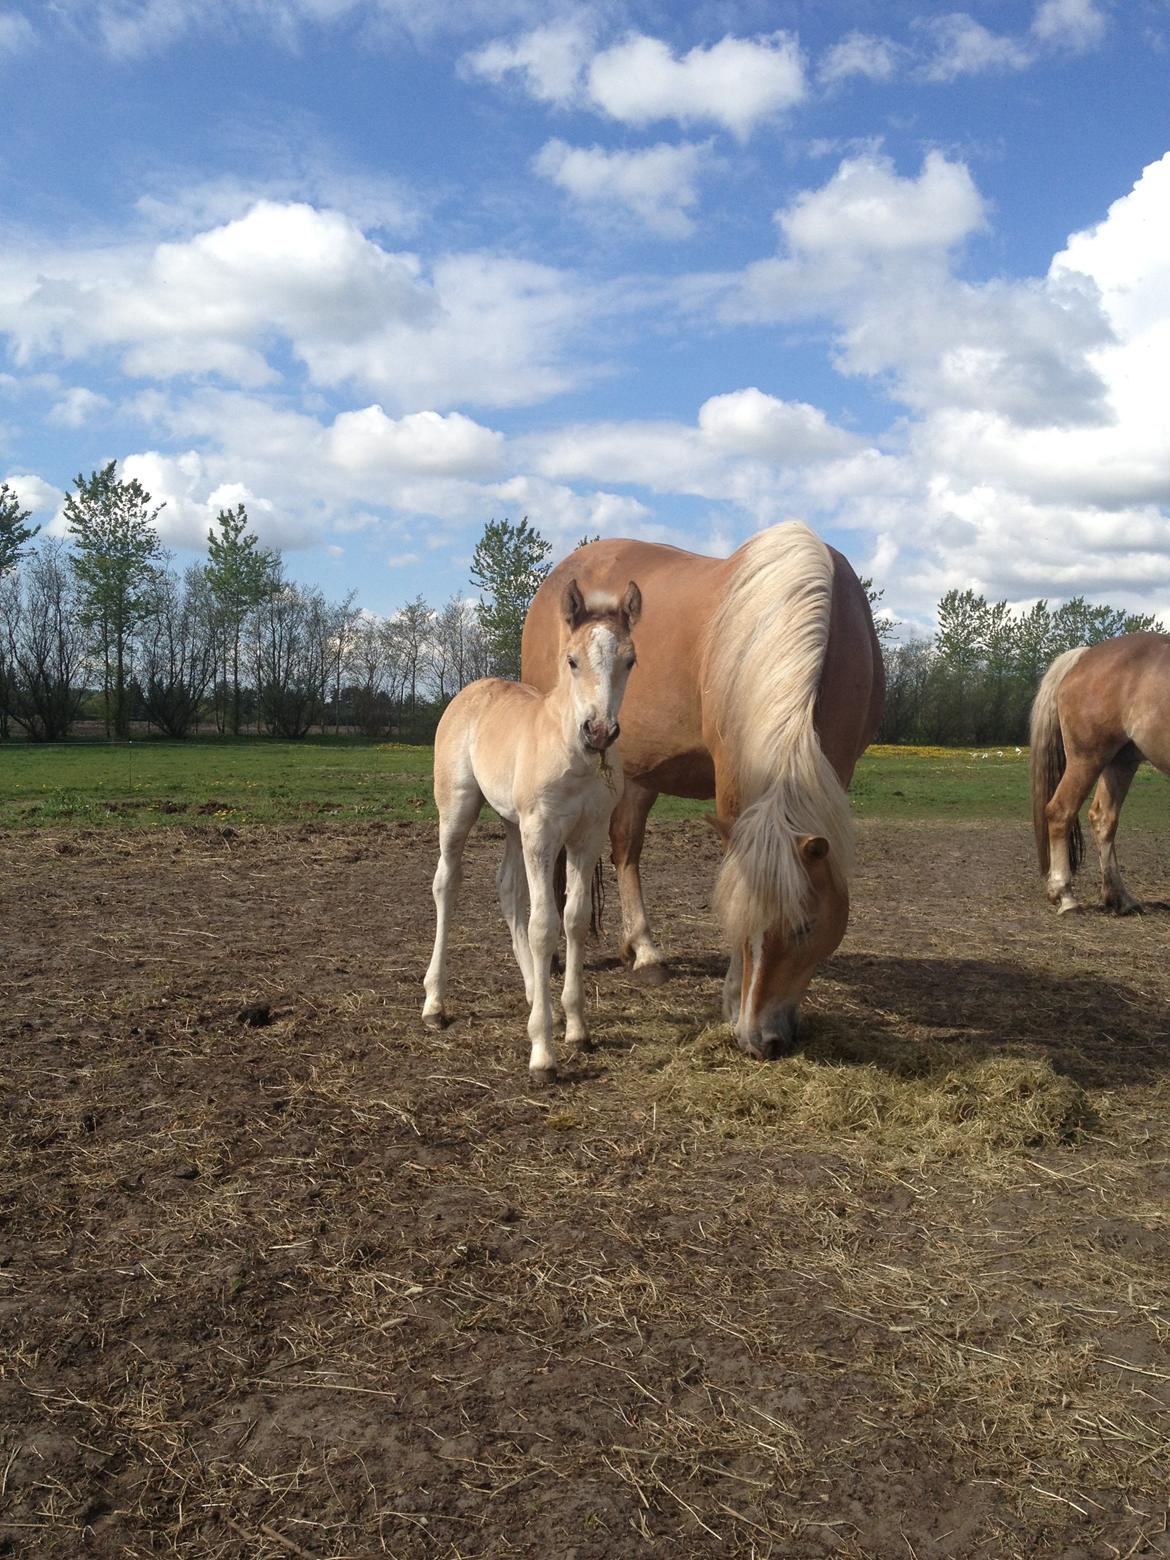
(582,859)
(458,812)
(1062,810)
(1112,788)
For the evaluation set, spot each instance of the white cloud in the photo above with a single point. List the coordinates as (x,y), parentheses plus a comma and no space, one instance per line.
(549,60)
(736,83)
(36,495)
(866,208)
(476,327)
(454,445)
(78,407)
(748,422)
(656,184)
(1070,24)
(859,54)
(964,47)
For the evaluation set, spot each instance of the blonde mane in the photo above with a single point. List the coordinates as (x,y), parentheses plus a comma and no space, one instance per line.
(765,653)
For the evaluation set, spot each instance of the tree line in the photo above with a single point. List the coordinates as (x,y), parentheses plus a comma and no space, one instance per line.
(101,623)
(973,681)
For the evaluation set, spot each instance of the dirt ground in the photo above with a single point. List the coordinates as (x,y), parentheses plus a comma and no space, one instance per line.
(282,1274)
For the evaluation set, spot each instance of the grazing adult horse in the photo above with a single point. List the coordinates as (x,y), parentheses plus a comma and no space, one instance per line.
(759,683)
(541,760)
(1099,711)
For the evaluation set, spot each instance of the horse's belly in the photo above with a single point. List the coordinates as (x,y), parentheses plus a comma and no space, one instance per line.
(681,774)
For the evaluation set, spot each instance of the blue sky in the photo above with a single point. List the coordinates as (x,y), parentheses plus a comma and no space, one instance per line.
(384,269)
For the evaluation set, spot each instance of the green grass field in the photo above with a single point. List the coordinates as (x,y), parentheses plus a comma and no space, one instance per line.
(149,784)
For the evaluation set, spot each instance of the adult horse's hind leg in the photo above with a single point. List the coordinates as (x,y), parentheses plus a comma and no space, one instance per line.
(627,830)
(1112,788)
(1061,812)
(512,887)
(458,811)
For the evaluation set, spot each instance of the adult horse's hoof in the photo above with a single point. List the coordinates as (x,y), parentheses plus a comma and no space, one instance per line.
(542,1077)
(1124,907)
(435,1021)
(650,975)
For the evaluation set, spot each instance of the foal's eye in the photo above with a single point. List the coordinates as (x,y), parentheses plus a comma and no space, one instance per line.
(573,662)
(631,663)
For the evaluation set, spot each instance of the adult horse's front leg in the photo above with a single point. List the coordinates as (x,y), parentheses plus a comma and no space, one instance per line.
(540,855)
(627,830)
(1112,789)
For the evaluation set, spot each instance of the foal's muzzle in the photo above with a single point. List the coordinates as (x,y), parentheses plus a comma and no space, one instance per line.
(600,734)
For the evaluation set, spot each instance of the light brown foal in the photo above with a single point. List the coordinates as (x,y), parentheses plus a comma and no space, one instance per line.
(542,761)
(1098,712)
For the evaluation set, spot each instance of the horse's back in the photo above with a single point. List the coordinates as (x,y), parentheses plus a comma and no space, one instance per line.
(667,735)
(478,738)
(1119,691)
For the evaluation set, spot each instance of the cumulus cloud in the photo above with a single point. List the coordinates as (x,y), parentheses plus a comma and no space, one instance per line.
(736,83)
(549,61)
(454,445)
(657,184)
(748,422)
(39,497)
(866,208)
(473,327)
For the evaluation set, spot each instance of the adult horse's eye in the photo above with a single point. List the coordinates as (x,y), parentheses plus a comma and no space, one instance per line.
(573,662)
(631,663)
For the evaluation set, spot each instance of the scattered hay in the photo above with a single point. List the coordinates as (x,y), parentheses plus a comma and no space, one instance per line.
(949,1102)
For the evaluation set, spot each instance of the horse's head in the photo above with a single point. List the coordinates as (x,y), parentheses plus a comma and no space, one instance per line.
(597,656)
(776,948)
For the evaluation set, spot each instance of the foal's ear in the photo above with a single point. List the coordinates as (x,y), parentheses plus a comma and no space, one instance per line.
(632,605)
(573,605)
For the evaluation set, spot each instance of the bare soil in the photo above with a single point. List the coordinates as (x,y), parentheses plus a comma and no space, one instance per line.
(281,1273)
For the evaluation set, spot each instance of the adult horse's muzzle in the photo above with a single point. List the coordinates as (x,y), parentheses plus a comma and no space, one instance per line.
(600,734)
(774,1036)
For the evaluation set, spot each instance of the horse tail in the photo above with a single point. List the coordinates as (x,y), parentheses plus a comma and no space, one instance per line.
(596,899)
(596,891)
(765,655)
(1046,759)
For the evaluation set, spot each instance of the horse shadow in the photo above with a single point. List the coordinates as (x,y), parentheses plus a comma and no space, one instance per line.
(1099,1032)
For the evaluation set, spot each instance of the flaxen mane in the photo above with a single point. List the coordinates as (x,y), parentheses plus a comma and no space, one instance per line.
(765,654)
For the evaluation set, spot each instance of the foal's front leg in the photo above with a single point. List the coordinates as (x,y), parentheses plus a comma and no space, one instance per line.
(540,854)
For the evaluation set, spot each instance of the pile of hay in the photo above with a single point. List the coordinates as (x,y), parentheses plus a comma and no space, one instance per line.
(951,1101)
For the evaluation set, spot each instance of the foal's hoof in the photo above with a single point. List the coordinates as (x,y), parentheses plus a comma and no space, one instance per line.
(435,1020)
(649,975)
(542,1077)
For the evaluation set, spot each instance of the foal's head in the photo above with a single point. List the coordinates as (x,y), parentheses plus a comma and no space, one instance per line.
(596,658)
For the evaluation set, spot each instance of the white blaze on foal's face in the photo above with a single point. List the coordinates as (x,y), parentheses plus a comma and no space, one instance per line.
(600,657)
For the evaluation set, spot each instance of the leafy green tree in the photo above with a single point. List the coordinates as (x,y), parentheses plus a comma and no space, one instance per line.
(14,534)
(241,576)
(509,563)
(117,560)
